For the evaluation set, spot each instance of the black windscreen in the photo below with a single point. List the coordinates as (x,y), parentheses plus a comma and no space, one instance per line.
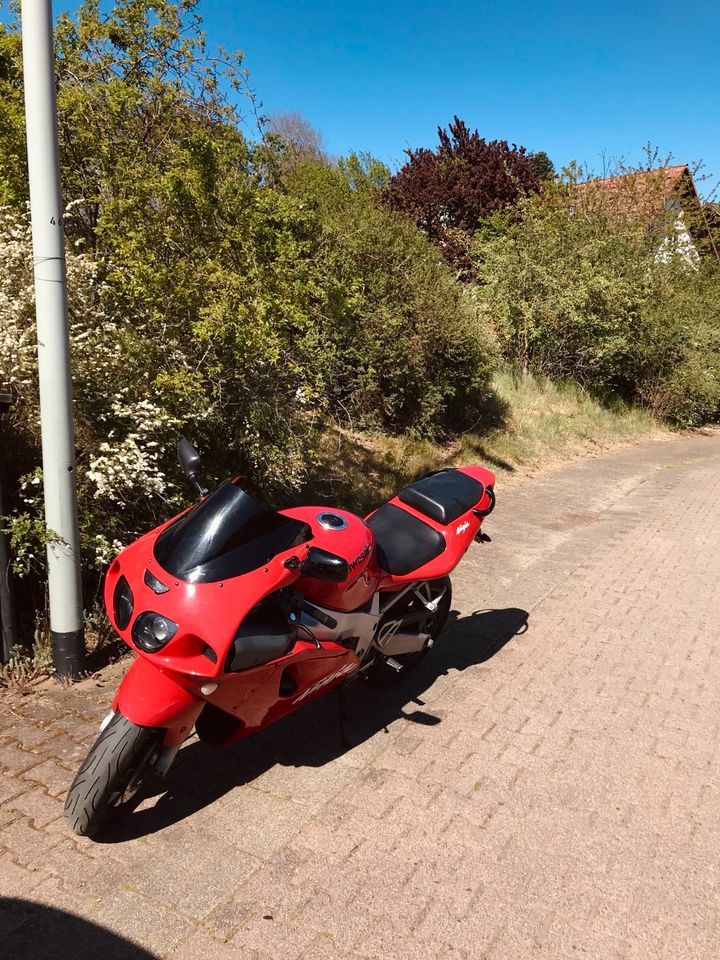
(226,535)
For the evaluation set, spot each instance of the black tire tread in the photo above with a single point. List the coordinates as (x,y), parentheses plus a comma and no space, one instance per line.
(105,772)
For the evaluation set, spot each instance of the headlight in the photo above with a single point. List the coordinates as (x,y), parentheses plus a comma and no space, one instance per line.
(122,604)
(151,631)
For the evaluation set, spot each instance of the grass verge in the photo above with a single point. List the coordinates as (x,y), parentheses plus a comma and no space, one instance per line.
(545,423)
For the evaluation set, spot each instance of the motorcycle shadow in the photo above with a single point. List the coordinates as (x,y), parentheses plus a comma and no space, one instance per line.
(317,733)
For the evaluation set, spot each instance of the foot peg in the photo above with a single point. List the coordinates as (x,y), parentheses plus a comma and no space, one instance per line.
(391,662)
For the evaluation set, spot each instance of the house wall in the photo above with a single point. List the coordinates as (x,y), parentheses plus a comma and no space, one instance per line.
(676,238)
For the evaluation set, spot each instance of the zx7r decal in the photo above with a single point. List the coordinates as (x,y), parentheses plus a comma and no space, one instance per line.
(347,668)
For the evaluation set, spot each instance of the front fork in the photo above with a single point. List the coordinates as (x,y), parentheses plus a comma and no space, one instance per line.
(151,697)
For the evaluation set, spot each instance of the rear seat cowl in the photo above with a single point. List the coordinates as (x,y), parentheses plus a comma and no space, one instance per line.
(443,496)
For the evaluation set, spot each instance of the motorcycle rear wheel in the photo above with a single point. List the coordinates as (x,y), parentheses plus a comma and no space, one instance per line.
(381,673)
(111,773)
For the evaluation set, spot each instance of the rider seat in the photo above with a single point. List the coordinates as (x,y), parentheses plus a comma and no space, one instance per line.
(404,542)
(443,496)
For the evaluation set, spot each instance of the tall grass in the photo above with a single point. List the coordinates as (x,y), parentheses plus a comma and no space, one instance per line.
(548,421)
(545,422)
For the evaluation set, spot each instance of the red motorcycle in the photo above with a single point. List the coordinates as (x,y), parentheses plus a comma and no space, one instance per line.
(240,614)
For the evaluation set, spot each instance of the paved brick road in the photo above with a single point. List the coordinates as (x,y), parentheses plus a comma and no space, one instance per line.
(545,786)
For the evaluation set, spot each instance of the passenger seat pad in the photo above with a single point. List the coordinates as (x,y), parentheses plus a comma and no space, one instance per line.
(443,496)
(404,542)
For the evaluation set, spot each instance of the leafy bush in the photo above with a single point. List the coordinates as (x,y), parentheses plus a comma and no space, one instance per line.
(576,293)
(678,375)
(123,436)
(405,347)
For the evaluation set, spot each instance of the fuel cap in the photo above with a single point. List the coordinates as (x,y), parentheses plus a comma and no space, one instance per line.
(331,521)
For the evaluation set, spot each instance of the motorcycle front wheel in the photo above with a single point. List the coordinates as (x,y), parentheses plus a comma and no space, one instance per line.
(111,773)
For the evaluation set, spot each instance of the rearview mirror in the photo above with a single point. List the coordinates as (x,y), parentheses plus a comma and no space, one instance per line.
(191,463)
(323,565)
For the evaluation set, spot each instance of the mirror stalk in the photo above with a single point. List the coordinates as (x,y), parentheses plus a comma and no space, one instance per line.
(191,464)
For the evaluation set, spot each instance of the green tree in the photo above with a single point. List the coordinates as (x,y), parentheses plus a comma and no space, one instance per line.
(13,169)
(542,165)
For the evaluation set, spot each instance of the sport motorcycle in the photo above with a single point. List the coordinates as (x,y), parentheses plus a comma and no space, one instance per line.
(240,613)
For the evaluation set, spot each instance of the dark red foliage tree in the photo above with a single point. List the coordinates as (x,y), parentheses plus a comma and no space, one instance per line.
(449,190)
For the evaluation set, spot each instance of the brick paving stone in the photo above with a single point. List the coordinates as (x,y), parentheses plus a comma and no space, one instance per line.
(243,821)
(130,915)
(40,807)
(324,947)
(35,709)
(13,759)
(26,734)
(15,880)
(69,753)
(25,844)
(191,873)
(52,776)
(199,946)
(11,787)
(544,785)
(277,941)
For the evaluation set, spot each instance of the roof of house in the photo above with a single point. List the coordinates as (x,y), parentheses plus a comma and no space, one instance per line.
(642,198)
(641,195)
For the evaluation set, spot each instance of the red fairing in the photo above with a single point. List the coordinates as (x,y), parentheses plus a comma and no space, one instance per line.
(163,689)
(208,614)
(482,475)
(153,698)
(255,697)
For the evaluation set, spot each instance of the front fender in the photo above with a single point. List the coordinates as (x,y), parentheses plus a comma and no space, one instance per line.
(151,697)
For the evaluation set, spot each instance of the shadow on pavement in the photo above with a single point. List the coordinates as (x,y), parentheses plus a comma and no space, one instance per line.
(313,735)
(32,931)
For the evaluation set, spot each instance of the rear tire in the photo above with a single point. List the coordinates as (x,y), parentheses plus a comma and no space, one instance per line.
(110,774)
(381,673)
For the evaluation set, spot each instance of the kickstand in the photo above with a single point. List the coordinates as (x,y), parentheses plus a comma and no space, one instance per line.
(342,716)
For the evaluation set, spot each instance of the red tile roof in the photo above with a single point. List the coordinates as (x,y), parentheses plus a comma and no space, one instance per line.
(641,195)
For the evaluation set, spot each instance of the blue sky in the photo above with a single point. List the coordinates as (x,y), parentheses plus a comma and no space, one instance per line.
(583,81)
(578,80)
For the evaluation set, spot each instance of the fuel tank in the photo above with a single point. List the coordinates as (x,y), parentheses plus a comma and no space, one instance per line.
(349,537)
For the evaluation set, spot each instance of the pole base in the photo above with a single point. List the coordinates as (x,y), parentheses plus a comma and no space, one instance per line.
(68,651)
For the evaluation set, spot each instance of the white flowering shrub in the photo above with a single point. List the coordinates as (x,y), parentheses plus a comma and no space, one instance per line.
(122,436)
(17,329)
(129,466)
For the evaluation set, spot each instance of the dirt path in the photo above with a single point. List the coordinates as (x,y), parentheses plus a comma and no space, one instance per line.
(545,786)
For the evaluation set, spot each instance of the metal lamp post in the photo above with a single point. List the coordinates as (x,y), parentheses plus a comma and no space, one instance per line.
(58,440)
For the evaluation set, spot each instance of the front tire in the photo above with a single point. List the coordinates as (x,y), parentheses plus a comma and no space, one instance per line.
(110,774)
